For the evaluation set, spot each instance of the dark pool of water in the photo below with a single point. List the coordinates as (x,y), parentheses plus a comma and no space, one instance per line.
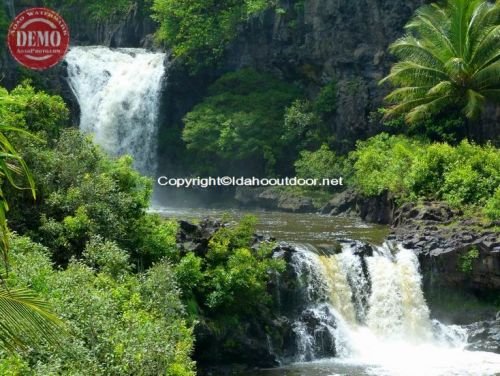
(304,228)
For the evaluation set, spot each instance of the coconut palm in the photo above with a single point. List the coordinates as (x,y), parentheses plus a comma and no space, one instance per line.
(449,58)
(24,318)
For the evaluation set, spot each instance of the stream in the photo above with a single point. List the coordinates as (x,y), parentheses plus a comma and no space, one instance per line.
(375,320)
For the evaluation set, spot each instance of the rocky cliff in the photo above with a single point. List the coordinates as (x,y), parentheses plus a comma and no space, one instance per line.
(318,41)
(311,42)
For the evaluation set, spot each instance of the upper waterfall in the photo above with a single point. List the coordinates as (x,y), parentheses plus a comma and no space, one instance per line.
(118,92)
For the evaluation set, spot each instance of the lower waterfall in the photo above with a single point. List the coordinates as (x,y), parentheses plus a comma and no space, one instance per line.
(367,307)
(118,92)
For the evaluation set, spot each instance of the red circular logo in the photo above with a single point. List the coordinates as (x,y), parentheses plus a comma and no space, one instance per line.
(38,38)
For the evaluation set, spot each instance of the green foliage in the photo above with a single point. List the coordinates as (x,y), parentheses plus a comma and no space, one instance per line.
(382,162)
(26,319)
(326,101)
(463,175)
(82,193)
(320,164)
(231,280)
(449,127)
(106,257)
(188,272)
(200,30)
(303,126)
(466,261)
(492,209)
(96,10)
(40,113)
(132,325)
(239,125)
(450,58)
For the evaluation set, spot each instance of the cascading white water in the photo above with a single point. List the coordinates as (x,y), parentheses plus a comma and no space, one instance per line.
(390,331)
(118,92)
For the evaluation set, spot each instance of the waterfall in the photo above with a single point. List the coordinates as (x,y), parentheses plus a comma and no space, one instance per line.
(118,92)
(354,303)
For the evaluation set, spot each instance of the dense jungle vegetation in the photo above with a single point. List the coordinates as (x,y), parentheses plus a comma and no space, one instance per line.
(126,298)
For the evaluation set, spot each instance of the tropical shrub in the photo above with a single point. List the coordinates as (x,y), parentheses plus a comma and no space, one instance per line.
(239,125)
(320,164)
(493,206)
(463,175)
(382,162)
(120,323)
(231,280)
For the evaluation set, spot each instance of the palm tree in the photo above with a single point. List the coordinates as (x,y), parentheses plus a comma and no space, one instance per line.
(449,58)
(24,319)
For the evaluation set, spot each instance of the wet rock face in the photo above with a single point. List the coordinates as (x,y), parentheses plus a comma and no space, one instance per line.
(485,336)
(459,258)
(377,209)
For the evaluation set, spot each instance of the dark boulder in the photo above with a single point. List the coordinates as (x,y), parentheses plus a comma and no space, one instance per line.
(485,336)
(274,199)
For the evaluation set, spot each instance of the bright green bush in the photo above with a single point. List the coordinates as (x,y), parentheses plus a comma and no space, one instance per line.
(131,325)
(41,113)
(239,125)
(320,164)
(382,163)
(463,175)
(492,209)
(426,177)
(325,103)
(106,257)
(231,280)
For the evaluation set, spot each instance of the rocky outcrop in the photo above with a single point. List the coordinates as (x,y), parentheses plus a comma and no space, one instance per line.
(249,342)
(318,41)
(485,335)
(377,209)
(274,199)
(459,258)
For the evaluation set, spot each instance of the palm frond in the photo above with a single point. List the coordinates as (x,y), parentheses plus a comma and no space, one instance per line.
(488,77)
(453,49)
(461,11)
(426,110)
(26,321)
(403,107)
(409,73)
(475,102)
(410,48)
(430,24)
(442,88)
(492,94)
(485,17)
(407,93)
